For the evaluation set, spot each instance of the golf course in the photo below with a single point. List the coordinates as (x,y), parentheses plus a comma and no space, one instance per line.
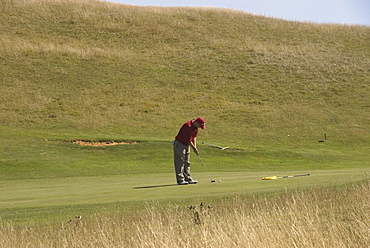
(93,94)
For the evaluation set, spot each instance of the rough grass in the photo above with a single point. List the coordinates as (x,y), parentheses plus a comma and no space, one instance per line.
(318,217)
(269,89)
(126,70)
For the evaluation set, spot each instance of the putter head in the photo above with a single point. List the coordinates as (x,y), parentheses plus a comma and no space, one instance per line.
(212,181)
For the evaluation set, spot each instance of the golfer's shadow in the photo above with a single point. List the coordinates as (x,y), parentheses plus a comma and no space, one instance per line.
(155,186)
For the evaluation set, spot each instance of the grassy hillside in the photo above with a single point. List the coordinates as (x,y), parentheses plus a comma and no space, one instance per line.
(269,89)
(86,66)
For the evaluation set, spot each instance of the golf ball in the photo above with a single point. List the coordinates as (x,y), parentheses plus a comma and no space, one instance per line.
(219,181)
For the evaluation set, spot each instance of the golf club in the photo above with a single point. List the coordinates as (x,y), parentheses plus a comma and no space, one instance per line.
(212,180)
(295,176)
(276,177)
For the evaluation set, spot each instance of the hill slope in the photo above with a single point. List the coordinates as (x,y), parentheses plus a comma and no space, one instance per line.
(141,72)
(82,69)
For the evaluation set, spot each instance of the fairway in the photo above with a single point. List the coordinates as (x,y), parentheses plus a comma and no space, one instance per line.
(24,197)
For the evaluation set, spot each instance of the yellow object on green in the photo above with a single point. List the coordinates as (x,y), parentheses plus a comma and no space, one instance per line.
(270,178)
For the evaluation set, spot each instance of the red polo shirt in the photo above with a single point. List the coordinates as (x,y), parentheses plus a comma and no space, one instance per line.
(187,133)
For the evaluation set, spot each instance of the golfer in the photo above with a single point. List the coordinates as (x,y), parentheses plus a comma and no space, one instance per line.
(185,139)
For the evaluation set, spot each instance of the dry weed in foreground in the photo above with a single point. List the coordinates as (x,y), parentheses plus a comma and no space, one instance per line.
(324,217)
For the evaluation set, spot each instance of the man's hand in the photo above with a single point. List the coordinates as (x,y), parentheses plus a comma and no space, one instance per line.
(196,151)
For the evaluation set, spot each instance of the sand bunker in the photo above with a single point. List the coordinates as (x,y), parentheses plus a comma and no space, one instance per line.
(102,143)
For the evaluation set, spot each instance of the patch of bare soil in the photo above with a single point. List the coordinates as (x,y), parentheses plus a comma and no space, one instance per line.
(102,143)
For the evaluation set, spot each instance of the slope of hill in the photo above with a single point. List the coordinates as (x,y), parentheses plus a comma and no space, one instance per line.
(84,69)
(126,70)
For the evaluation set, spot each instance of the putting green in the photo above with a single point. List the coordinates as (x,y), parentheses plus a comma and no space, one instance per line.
(59,192)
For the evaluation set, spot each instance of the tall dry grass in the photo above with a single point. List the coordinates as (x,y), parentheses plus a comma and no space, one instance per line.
(322,217)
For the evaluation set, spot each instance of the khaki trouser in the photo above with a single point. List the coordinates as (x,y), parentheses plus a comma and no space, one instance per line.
(181,161)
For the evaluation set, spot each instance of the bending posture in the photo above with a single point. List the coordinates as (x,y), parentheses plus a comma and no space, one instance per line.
(185,139)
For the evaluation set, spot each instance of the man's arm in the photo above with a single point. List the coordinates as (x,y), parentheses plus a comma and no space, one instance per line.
(193,144)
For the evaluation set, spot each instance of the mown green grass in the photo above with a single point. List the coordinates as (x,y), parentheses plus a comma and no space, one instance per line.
(58,198)
(52,179)
(30,157)
(269,89)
